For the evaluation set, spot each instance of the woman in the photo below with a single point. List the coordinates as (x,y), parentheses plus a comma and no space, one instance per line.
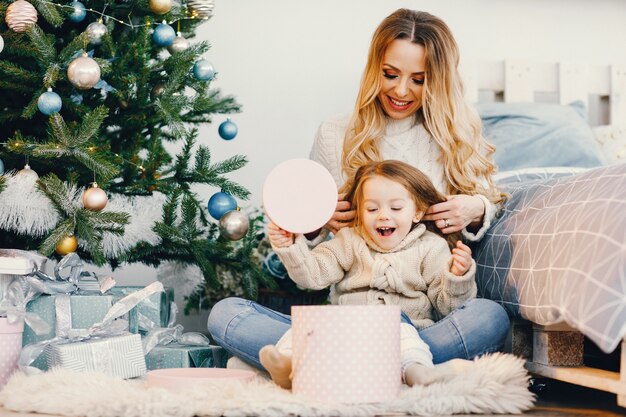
(410,107)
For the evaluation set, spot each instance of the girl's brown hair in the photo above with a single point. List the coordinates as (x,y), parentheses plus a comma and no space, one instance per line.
(419,186)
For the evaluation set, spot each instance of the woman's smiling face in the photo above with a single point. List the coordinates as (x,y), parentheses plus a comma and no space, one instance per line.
(402,74)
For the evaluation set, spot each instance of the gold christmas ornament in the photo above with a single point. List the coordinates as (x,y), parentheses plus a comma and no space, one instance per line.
(67,245)
(95,198)
(83,72)
(20,15)
(202,9)
(161,6)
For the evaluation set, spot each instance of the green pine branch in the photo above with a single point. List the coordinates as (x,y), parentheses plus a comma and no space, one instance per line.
(89,226)
(50,12)
(76,143)
(44,45)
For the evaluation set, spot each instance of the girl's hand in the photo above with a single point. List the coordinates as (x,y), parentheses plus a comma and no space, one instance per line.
(461,259)
(457,213)
(342,217)
(279,238)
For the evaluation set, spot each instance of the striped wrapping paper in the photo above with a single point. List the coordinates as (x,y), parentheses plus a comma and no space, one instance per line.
(118,355)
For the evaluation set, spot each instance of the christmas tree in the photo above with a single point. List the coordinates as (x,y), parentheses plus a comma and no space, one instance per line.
(95,95)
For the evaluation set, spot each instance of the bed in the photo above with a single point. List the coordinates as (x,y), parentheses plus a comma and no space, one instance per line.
(556,256)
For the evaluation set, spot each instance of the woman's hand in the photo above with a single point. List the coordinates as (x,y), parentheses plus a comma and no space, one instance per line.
(342,217)
(461,259)
(279,238)
(457,213)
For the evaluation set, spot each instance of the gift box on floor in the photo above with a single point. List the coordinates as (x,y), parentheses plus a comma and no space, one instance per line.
(176,355)
(79,312)
(151,312)
(120,356)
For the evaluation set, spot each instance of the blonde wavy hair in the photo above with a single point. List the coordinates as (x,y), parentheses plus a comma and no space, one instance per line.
(453,124)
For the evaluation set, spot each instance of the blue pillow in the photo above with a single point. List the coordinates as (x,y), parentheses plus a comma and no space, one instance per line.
(540,135)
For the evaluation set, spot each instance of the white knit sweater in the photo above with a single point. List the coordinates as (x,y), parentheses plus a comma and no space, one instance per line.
(405,140)
(414,275)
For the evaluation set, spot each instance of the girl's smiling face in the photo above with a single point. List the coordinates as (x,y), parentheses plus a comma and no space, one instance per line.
(387,211)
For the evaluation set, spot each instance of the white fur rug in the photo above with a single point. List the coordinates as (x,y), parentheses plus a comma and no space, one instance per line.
(492,384)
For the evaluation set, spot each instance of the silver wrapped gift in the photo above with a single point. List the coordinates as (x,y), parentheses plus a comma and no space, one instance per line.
(120,356)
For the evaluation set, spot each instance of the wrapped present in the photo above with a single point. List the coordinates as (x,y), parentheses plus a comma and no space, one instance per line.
(120,356)
(83,348)
(177,355)
(152,312)
(77,311)
(171,347)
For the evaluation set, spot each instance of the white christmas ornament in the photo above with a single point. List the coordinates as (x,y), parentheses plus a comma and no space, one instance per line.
(1,44)
(83,72)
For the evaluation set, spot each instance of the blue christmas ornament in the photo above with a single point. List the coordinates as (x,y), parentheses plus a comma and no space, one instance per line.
(221,203)
(49,102)
(203,70)
(1,167)
(78,12)
(163,35)
(227,130)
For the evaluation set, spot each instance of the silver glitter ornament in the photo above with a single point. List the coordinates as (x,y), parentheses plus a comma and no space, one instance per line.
(83,72)
(179,44)
(95,32)
(202,9)
(234,225)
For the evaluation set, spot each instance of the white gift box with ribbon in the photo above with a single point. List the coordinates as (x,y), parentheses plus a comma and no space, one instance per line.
(346,354)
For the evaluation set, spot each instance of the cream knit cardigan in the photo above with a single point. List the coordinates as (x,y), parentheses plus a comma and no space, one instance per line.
(405,140)
(414,275)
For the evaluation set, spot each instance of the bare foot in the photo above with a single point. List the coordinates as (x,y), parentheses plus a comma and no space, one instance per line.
(277,364)
(417,374)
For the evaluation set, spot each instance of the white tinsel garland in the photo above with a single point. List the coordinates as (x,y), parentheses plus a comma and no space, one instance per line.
(24,209)
(144,211)
(184,278)
(28,211)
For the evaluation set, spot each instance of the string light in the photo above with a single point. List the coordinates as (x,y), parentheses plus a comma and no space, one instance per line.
(91,149)
(129,23)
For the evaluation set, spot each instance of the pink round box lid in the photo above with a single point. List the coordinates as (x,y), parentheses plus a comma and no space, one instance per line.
(299,195)
(177,379)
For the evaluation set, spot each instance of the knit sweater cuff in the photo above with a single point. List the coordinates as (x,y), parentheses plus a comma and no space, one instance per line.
(490,213)
(456,285)
(293,255)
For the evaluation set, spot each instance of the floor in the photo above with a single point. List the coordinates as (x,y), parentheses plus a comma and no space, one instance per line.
(555,399)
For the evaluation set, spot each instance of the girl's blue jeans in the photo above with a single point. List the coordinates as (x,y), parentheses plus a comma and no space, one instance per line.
(478,326)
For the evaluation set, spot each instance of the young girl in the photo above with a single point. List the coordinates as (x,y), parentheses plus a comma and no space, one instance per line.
(387,257)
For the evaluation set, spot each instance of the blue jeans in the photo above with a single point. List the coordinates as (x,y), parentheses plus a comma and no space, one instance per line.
(478,326)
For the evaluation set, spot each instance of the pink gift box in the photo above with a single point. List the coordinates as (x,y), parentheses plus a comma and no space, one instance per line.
(10,348)
(346,354)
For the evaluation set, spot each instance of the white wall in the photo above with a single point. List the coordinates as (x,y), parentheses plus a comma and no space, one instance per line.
(292,64)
